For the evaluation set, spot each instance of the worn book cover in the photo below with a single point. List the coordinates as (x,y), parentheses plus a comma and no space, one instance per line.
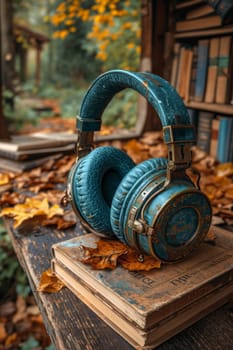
(224,62)
(161,299)
(201,73)
(212,70)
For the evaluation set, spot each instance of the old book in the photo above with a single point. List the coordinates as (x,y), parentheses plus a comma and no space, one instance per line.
(175,63)
(214,137)
(147,308)
(193,74)
(199,12)
(195,24)
(32,142)
(35,153)
(224,61)
(224,139)
(202,65)
(187,4)
(20,166)
(204,130)
(184,76)
(212,70)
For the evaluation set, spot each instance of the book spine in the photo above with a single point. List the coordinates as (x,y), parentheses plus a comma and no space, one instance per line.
(202,64)
(231,145)
(223,69)
(204,130)
(198,12)
(188,75)
(193,74)
(184,72)
(214,137)
(212,70)
(224,140)
(175,63)
(195,24)
(193,115)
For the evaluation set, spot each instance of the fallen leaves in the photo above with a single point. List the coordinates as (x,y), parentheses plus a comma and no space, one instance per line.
(111,253)
(49,282)
(19,320)
(4,179)
(32,208)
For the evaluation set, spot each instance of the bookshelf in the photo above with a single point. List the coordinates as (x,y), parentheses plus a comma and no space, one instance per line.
(200,32)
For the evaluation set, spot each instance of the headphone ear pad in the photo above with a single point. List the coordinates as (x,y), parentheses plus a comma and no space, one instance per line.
(130,182)
(94,183)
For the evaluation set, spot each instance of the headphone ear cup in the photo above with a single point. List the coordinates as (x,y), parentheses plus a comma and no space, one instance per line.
(131,184)
(94,182)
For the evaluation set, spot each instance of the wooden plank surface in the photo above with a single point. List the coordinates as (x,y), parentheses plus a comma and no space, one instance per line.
(72,326)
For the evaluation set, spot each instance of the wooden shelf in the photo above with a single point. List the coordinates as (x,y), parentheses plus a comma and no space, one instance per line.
(205,33)
(211,107)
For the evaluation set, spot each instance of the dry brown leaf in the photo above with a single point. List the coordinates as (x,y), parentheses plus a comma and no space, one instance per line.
(53,196)
(69,219)
(49,283)
(152,137)
(12,198)
(130,262)
(110,253)
(11,339)
(105,256)
(3,333)
(224,169)
(158,151)
(229,193)
(210,237)
(21,309)
(137,151)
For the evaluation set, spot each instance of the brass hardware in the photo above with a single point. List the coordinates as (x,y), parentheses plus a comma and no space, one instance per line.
(141,258)
(84,144)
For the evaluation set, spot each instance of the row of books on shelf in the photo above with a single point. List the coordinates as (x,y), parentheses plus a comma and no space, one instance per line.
(202,72)
(192,15)
(214,134)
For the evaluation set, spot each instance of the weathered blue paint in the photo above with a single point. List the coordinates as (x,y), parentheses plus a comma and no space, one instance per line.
(153,207)
(159,93)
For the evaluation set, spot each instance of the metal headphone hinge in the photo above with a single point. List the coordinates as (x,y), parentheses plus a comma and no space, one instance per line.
(84,144)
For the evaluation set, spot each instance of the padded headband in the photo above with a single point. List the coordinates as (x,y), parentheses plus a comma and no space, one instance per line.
(159,93)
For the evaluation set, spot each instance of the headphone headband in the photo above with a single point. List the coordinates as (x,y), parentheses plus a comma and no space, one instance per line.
(178,131)
(159,93)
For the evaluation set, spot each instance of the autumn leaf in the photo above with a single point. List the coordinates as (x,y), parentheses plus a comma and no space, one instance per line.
(69,219)
(4,179)
(30,209)
(224,169)
(49,283)
(130,262)
(210,237)
(3,333)
(105,256)
(110,253)
(137,151)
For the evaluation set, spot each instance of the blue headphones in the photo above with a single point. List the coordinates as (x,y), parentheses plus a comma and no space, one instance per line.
(153,207)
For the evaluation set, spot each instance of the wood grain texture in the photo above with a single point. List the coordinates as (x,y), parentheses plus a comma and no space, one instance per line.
(73,326)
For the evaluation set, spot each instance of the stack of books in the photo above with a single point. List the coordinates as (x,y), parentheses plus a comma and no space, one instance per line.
(23,152)
(147,308)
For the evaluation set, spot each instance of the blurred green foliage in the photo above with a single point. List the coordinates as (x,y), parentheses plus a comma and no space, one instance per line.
(12,276)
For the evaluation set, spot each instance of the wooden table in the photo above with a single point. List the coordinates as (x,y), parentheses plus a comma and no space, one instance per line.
(73,326)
